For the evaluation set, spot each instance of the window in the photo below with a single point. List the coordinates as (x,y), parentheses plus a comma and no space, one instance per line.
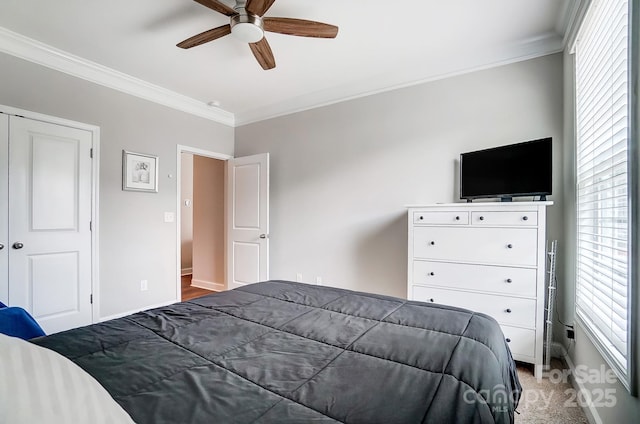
(603,273)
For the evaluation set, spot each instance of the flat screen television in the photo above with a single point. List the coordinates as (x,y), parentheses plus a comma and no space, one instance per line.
(522,169)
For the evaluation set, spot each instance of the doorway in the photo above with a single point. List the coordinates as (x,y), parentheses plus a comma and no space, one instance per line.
(202,224)
(240,199)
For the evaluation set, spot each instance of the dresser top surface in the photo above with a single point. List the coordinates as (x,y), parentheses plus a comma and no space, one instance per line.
(478,205)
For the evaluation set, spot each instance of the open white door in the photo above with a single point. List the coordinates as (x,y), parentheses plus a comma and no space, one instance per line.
(247,220)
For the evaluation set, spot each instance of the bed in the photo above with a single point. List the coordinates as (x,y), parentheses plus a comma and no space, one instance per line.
(285,352)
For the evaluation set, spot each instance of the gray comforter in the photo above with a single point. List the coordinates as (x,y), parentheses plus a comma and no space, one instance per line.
(283,352)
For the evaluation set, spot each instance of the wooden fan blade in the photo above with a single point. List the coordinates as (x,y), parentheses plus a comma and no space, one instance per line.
(205,37)
(258,7)
(218,7)
(300,27)
(262,51)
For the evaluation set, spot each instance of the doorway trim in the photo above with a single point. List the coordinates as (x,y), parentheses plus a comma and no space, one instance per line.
(194,151)
(95,193)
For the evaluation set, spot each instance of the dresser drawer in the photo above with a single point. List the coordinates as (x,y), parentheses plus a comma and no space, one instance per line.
(521,341)
(505,218)
(497,279)
(506,310)
(498,246)
(439,218)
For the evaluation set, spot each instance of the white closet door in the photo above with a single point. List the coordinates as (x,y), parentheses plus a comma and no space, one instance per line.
(247,220)
(4,216)
(49,221)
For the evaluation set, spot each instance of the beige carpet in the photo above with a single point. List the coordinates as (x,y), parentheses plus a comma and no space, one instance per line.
(546,402)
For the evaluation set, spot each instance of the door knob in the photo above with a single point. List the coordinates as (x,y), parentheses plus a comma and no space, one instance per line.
(1,246)
(263,236)
(18,245)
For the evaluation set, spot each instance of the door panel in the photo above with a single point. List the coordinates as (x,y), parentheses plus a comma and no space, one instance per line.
(55,206)
(246,253)
(4,213)
(247,220)
(247,202)
(54,284)
(50,214)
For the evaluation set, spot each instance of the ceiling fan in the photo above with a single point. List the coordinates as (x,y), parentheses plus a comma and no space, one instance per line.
(248,24)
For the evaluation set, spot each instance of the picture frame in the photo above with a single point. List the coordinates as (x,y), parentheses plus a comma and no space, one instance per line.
(139,172)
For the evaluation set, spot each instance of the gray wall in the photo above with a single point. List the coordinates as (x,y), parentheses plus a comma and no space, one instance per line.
(135,243)
(342,174)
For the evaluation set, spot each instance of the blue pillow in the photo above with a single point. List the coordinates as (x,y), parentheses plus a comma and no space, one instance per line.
(17,322)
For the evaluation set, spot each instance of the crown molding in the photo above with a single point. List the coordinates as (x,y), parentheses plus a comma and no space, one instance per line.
(34,51)
(544,45)
(569,20)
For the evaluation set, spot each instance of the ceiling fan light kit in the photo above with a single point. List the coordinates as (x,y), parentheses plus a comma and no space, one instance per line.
(248,25)
(247,28)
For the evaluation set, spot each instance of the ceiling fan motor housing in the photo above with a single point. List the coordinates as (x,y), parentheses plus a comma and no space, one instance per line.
(246,24)
(247,27)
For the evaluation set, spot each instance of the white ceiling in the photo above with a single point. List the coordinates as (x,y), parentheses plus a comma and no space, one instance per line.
(381,45)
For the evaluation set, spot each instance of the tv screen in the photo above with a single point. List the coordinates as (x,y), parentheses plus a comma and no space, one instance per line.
(522,169)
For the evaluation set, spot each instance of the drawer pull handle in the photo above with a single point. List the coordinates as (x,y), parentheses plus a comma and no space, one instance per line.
(432,274)
(421,218)
(457,218)
(508,340)
(510,246)
(432,243)
(508,311)
(509,280)
(431,300)
(525,218)
(481,218)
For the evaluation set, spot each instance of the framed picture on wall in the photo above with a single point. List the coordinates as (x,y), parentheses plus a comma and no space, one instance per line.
(139,172)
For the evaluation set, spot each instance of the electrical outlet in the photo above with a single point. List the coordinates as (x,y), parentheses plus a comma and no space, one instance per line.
(144,285)
(319,281)
(571,334)
(299,277)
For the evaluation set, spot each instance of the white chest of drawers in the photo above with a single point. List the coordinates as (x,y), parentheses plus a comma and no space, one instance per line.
(487,257)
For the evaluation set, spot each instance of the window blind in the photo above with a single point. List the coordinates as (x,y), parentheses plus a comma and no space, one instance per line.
(602,126)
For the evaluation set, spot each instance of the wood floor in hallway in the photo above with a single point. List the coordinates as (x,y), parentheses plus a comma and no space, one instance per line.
(189,292)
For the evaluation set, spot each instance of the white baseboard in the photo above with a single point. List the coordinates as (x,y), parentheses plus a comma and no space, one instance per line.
(124,314)
(590,411)
(186,271)
(208,285)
